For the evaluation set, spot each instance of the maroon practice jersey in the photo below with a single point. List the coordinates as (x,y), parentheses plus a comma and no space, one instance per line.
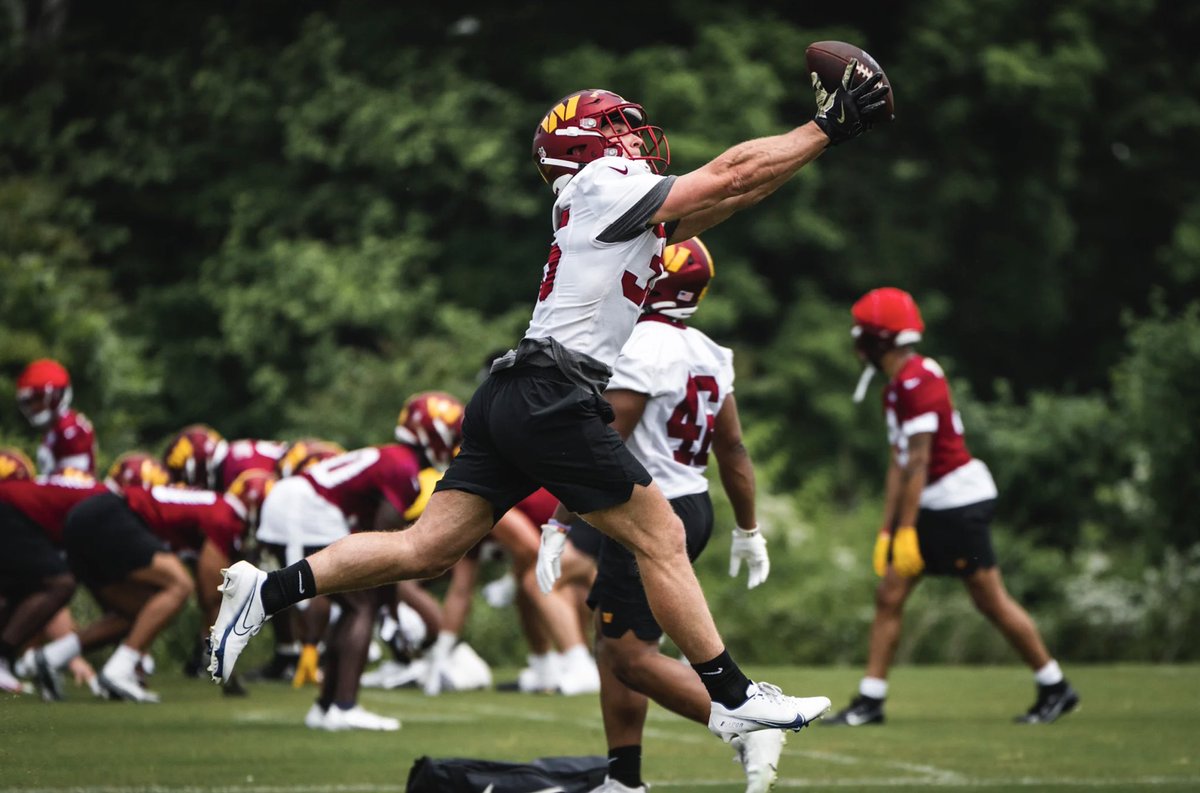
(917,400)
(356,482)
(46,502)
(69,443)
(185,518)
(538,506)
(249,455)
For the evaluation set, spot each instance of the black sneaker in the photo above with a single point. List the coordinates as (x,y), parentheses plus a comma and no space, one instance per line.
(861,710)
(1052,702)
(281,667)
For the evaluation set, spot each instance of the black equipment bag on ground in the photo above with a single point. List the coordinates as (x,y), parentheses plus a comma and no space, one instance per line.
(545,775)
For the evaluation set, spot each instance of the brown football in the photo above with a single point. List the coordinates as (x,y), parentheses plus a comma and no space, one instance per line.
(829,58)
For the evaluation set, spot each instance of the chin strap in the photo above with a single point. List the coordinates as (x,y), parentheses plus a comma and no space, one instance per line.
(864,380)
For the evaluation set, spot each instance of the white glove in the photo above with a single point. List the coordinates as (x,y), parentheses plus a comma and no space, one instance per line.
(501,592)
(750,547)
(439,662)
(550,551)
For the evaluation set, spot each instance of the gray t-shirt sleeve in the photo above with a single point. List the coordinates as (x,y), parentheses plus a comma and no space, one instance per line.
(635,220)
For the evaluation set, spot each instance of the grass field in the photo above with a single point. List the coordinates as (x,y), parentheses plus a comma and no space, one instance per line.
(949,728)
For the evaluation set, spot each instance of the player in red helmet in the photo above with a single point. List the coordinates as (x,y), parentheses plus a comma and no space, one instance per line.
(135,469)
(672,393)
(938,509)
(15,464)
(540,420)
(44,397)
(34,576)
(125,549)
(364,490)
(431,422)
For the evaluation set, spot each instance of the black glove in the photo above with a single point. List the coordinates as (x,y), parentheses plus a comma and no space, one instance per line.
(848,112)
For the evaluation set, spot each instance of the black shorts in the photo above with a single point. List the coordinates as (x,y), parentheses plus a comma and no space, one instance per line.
(957,541)
(586,538)
(27,556)
(618,592)
(106,540)
(528,427)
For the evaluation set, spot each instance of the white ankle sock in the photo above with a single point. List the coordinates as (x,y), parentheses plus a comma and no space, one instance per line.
(1049,675)
(123,661)
(61,652)
(873,687)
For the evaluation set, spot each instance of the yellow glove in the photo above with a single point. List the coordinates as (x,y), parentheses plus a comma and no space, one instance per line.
(879,558)
(308,667)
(906,552)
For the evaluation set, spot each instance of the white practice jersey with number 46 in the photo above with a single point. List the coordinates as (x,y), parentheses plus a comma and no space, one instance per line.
(604,258)
(686,376)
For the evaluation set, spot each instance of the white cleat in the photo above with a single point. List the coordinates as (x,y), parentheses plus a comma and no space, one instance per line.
(125,686)
(578,676)
(759,752)
(241,616)
(9,684)
(315,718)
(765,708)
(613,786)
(357,718)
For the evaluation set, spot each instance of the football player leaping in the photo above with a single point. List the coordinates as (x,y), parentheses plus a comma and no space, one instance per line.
(937,511)
(672,392)
(540,419)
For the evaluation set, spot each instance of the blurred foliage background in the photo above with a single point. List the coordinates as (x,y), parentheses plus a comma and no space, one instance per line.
(283,217)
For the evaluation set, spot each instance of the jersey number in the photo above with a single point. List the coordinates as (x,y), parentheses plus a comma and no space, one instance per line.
(341,469)
(692,423)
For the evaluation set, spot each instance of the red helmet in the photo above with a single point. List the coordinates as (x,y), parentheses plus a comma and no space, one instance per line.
(578,129)
(195,455)
(135,469)
(14,464)
(43,391)
(432,422)
(888,314)
(687,269)
(249,491)
(302,454)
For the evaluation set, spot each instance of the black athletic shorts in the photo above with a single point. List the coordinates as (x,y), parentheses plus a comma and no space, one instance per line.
(957,541)
(26,554)
(618,592)
(528,427)
(586,538)
(106,541)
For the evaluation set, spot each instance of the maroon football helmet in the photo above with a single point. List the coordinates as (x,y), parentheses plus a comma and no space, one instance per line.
(43,391)
(249,491)
(432,422)
(194,456)
(135,469)
(302,454)
(15,464)
(687,269)
(579,129)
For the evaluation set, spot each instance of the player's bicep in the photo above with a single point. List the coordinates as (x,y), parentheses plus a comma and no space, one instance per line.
(692,193)
(920,448)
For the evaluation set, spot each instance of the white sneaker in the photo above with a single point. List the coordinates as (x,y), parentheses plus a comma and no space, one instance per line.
(393,674)
(765,708)
(125,686)
(315,718)
(357,718)
(48,680)
(758,752)
(541,676)
(613,786)
(9,684)
(578,676)
(241,616)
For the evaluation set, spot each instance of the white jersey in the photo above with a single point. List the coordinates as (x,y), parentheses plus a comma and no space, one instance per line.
(686,376)
(604,258)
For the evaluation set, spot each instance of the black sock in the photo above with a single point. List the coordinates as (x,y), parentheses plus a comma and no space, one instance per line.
(725,682)
(288,586)
(625,765)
